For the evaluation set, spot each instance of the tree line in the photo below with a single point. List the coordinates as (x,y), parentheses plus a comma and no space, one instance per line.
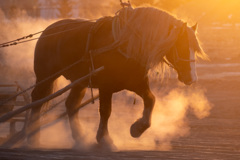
(14,8)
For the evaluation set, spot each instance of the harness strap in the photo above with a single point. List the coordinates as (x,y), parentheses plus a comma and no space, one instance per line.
(168,63)
(90,53)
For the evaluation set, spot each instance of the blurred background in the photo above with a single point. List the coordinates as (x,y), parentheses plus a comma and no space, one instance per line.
(219,20)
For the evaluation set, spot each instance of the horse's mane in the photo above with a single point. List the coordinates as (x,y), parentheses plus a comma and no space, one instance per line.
(147,34)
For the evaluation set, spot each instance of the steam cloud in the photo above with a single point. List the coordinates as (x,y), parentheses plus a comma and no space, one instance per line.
(169,120)
(16,62)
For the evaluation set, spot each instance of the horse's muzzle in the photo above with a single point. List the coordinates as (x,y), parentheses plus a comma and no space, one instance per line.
(187,80)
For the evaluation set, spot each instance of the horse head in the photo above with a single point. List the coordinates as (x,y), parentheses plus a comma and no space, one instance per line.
(182,56)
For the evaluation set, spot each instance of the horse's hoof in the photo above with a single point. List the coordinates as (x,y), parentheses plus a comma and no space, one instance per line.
(32,143)
(106,144)
(31,146)
(138,128)
(81,146)
(103,148)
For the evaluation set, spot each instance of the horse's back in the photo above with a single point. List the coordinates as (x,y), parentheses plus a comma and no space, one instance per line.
(61,44)
(64,23)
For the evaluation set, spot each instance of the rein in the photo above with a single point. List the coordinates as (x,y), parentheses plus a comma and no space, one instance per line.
(168,63)
(30,36)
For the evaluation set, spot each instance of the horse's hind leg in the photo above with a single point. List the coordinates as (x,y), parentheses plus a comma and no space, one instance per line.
(73,101)
(33,129)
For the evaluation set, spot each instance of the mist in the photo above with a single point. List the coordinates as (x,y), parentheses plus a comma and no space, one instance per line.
(170,120)
(17,61)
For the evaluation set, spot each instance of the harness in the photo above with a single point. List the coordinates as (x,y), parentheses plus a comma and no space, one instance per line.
(90,53)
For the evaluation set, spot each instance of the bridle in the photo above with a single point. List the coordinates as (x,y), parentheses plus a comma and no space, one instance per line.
(176,59)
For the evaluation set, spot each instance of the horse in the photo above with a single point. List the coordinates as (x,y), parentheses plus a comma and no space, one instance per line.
(146,38)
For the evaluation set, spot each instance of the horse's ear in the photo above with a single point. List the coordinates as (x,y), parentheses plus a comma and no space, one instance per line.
(194,27)
(185,25)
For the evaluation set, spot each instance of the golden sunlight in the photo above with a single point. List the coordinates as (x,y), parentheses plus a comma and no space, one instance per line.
(191,111)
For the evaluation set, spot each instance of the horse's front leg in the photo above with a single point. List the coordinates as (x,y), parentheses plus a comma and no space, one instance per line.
(105,109)
(144,123)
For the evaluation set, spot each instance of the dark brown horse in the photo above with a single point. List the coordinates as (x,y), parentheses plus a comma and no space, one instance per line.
(148,37)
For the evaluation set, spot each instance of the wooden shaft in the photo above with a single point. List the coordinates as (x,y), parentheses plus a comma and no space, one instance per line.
(11,114)
(20,136)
